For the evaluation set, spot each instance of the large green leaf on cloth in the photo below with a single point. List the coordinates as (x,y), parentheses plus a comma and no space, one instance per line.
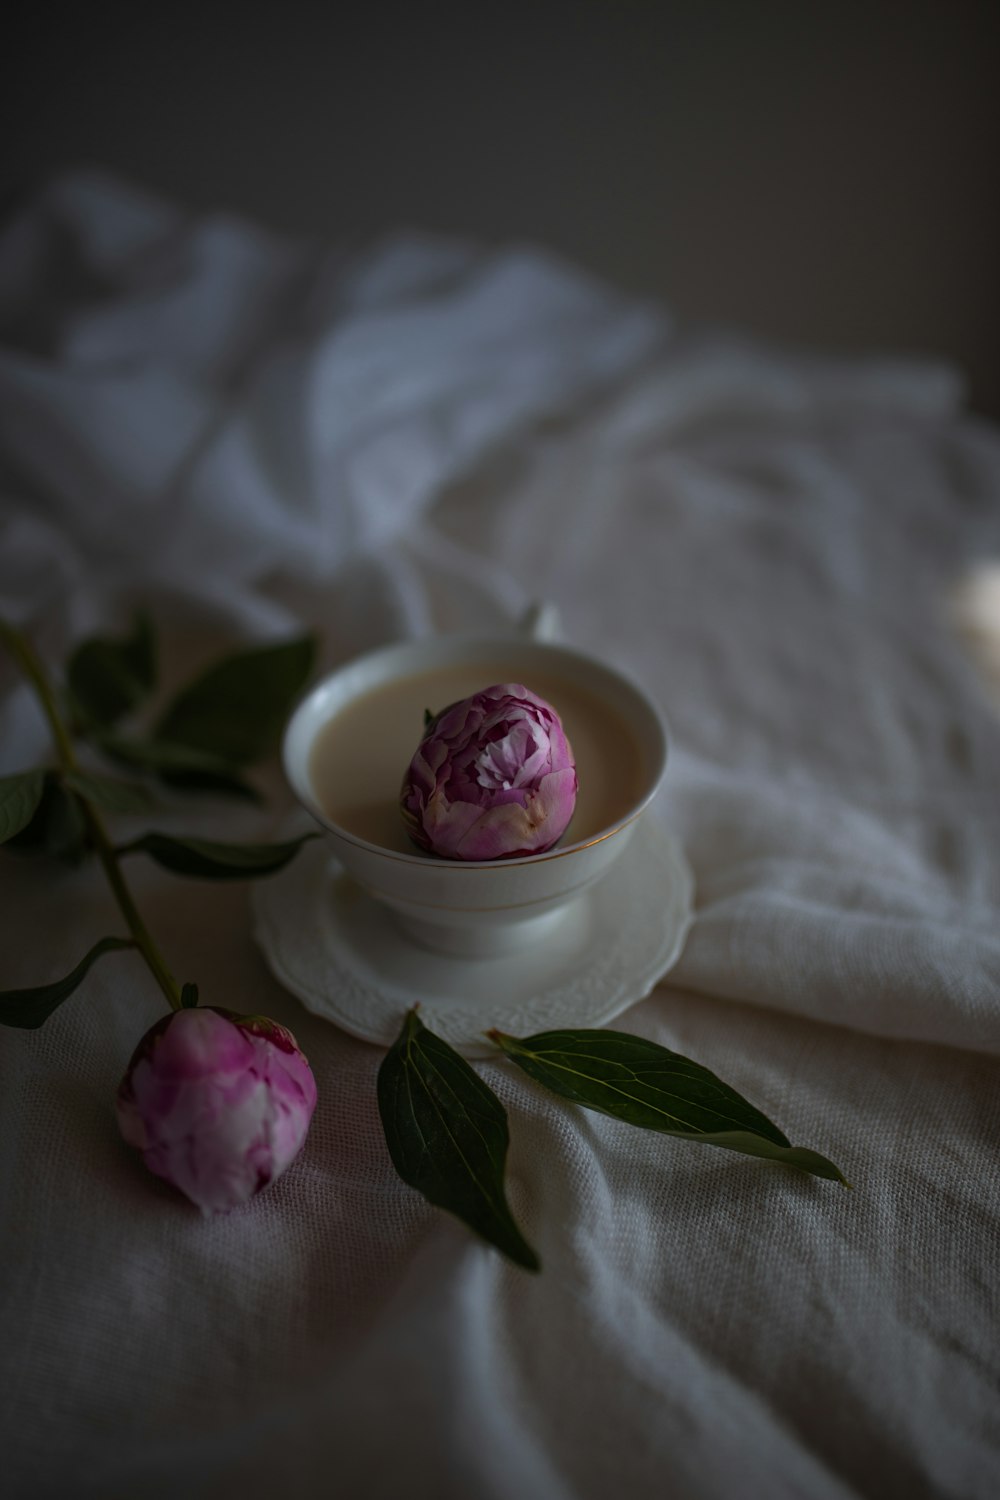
(447,1135)
(638,1081)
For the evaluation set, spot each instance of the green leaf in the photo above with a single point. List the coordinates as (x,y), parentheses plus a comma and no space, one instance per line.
(29,1009)
(19,798)
(637,1081)
(208,860)
(108,678)
(237,709)
(179,765)
(110,794)
(189,996)
(58,826)
(447,1135)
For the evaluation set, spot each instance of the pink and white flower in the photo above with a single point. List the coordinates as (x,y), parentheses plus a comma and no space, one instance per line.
(493,778)
(219,1104)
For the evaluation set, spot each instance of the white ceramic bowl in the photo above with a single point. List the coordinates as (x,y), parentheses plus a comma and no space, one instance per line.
(466,907)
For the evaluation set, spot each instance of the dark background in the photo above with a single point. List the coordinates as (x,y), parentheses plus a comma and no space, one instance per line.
(822,174)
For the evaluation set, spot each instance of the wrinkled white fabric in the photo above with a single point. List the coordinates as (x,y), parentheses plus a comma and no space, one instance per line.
(250,435)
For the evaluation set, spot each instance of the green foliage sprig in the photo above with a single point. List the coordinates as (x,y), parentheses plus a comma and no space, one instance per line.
(205,737)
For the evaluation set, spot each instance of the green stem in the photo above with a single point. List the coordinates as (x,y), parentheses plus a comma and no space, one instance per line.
(25,655)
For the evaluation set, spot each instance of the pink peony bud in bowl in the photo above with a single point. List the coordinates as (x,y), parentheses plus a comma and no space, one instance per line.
(492,778)
(219,1104)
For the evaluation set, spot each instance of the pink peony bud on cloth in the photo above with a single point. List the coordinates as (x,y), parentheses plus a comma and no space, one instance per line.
(219,1104)
(493,778)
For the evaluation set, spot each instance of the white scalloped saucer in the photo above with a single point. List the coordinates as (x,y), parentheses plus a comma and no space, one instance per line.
(340,952)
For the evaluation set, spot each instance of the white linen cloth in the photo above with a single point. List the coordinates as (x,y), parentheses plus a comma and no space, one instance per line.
(252,435)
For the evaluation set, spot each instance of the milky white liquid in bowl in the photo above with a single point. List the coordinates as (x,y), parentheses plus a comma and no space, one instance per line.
(358,759)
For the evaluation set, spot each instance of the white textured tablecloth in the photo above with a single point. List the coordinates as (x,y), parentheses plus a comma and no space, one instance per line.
(251,434)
